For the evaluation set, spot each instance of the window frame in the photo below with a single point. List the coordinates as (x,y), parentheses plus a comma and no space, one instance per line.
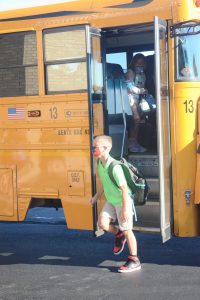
(24,66)
(177,76)
(62,61)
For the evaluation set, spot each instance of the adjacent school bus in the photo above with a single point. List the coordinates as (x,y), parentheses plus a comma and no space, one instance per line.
(61,83)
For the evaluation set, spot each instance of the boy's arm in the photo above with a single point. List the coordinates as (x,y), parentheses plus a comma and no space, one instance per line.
(98,194)
(120,179)
(125,208)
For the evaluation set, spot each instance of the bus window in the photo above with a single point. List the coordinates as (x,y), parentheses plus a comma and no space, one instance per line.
(188,58)
(145,53)
(97,71)
(18,64)
(65,60)
(120,58)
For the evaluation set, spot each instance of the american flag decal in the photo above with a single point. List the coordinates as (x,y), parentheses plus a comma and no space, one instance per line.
(16,113)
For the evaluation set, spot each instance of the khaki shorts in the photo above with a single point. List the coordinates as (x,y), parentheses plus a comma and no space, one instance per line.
(114,213)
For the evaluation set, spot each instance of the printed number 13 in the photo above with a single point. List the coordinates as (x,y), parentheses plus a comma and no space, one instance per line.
(54,112)
(189,106)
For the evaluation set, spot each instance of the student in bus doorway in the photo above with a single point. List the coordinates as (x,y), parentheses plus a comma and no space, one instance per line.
(118,205)
(135,81)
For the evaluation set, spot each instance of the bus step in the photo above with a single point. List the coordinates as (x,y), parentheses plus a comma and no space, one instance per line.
(148,215)
(153,184)
(146,163)
(146,229)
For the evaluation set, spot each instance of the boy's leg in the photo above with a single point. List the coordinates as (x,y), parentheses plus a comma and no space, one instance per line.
(120,241)
(108,215)
(105,224)
(131,241)
(132,263)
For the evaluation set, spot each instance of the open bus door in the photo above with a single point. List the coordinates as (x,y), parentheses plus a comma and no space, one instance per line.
(95,106)
(163,125)
(163,128)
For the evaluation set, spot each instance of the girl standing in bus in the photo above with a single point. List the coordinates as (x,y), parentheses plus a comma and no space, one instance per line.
(135,81)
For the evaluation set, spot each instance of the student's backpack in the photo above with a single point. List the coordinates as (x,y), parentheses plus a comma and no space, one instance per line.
(135,180)
(146,105)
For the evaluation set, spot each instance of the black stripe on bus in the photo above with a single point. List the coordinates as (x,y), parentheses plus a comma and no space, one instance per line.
(48,15)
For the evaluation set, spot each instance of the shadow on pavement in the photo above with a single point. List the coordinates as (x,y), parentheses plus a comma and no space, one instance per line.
(56,245)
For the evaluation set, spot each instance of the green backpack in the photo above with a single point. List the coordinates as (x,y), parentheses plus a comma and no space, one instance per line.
(135,180)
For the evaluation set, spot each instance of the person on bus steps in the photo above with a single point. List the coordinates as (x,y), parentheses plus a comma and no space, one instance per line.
(135,82)
(118,205)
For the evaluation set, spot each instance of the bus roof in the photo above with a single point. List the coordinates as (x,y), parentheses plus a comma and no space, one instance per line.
(88,10)
(26,8)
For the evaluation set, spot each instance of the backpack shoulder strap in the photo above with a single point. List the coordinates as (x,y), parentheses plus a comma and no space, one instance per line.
(110,171)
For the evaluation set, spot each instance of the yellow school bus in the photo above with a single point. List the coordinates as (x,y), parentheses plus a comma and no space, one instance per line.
(62,83)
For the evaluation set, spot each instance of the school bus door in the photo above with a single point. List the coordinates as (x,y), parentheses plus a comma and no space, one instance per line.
(163,129)
(96,111)
(163,126)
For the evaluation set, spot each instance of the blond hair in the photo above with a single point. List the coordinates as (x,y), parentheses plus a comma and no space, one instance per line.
(105,140)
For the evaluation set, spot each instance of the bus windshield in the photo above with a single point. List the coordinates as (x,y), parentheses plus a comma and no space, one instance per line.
(188,57)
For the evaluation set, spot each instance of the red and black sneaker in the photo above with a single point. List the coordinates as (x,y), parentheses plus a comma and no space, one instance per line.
(132,264)
(119,243)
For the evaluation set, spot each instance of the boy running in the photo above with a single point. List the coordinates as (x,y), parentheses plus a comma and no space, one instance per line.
(118,206)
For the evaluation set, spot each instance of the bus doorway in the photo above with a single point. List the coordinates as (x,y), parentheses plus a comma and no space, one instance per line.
(121,44)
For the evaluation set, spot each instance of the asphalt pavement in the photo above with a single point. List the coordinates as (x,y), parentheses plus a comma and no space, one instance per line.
(42,259)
